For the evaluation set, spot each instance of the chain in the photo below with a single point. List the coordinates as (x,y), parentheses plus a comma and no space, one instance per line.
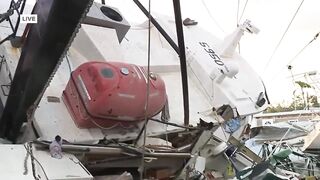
(10,11)
(31,110)
(69,43)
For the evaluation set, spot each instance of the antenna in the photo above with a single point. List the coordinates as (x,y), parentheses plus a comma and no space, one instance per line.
(232,40)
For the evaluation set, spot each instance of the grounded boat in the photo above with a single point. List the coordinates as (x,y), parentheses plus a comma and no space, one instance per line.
(127,107)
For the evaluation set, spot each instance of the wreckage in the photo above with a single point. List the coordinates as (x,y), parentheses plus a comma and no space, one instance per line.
(163,100)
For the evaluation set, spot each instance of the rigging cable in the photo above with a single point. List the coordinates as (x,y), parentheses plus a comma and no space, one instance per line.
(239,19)
(314,38)
(244,8)
(141,169)
(295,57)
(211,16)
(238,7)
(285,32)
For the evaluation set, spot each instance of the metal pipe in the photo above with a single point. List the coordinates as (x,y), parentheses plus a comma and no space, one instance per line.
(175,125)
(157,25)
(83,148)
(184,148)
(109,150)
(183,64)
(163,154)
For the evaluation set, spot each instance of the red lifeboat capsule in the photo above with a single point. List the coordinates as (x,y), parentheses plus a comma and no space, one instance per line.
(101,94)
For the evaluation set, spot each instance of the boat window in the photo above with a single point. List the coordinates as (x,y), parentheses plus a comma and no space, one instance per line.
(107,73)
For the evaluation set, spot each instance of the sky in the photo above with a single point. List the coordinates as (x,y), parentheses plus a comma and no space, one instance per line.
(272,17)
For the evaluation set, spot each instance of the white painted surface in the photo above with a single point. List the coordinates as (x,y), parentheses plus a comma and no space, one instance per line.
(200,164)
(240,91)
(198,101)
(135,47)
(12,163)
(53,118)
(312,140)
(97,43)
(68,167)
(16,165)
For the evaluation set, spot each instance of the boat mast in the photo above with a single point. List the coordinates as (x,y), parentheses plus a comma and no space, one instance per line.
(183,64)
(180,50)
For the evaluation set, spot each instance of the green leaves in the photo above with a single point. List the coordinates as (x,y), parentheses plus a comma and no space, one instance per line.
(303,84)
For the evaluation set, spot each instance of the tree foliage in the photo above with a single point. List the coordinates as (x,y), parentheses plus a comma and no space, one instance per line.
(303,84)
(314,101)
(297,104)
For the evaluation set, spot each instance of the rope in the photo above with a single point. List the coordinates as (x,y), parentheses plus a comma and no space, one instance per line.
(285,32)
(102,127)
(147,96)
(29,151)
(25,163)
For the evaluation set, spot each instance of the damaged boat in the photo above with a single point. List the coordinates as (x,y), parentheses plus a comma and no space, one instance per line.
(162,100)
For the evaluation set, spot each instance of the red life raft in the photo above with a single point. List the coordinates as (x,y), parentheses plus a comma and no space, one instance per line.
(101,94)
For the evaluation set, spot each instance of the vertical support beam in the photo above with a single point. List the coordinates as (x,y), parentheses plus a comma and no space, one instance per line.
(179,50)
(183,64)
(44,48)
(157,25)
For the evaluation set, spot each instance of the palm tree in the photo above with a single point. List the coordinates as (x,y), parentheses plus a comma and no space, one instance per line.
(303,85)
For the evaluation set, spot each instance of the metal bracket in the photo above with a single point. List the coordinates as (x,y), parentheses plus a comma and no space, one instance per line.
(14,7)
(5,87)
(6,91)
